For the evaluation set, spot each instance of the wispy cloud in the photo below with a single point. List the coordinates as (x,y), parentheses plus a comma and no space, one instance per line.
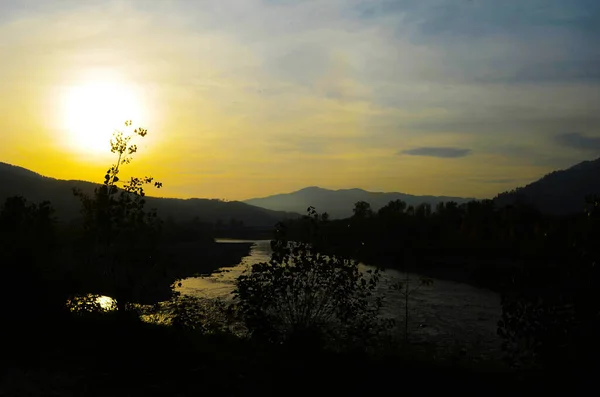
(257,87)
(442,152)
(579,141)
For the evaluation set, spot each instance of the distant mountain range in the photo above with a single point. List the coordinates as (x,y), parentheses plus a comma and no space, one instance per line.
(340,203)
(560,192)
(36,188)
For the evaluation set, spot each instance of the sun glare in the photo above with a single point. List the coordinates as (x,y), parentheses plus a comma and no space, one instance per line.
(92,111)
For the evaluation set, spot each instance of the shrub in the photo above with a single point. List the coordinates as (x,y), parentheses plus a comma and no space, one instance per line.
(304,297)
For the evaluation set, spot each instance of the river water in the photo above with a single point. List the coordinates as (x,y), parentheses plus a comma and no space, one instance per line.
(446,314)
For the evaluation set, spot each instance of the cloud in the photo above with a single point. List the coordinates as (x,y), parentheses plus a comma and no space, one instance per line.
(579,141)
(289,89)
(516,41)
(441,152)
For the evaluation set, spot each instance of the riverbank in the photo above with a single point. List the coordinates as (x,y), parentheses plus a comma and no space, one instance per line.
(480,273)
(494,275)
(198,258)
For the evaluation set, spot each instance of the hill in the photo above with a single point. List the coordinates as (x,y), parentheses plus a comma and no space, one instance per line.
(340,203)
(35,187)
(560,192)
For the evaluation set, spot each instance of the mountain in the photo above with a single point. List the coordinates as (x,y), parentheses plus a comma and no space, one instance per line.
(560,192)
(36,188)
(340,203)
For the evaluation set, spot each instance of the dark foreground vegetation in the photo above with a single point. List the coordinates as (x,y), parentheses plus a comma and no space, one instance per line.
(545,267)
(112,356)
(307,321)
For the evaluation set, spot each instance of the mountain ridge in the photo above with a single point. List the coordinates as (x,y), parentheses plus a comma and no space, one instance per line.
(559,192)
(339,203)
(16,180)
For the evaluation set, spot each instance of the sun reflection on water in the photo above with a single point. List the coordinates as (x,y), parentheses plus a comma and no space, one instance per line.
(106,302)
(91,303)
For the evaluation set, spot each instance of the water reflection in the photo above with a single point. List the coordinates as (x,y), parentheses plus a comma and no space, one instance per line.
(106,302)
(221,283)
(92,303)
(448,313)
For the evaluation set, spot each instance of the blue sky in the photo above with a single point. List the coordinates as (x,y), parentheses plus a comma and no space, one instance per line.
(254,97)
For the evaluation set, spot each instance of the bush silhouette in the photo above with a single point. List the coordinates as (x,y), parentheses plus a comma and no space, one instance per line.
(309,299)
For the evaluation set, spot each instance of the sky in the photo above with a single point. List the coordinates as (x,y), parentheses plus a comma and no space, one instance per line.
(248,98)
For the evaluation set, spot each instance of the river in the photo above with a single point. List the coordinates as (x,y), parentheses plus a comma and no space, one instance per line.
(446,314)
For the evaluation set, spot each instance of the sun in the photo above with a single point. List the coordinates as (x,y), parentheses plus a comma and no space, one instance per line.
(93,110)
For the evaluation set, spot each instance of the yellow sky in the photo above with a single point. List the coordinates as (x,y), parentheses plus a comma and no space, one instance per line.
(251,98)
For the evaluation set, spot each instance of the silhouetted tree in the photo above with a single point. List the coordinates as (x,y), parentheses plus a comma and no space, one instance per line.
(362,210)
(406,292)
(120,245)
(423,211)
(393,209)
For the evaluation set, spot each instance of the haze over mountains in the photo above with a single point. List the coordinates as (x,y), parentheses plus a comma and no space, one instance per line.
(36,188)
(560,192)
(340,203)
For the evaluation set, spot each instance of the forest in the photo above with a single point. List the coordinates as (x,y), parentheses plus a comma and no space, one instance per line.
(307,317)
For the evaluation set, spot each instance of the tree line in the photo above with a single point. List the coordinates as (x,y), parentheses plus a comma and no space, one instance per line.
(545,267)
(310,292)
